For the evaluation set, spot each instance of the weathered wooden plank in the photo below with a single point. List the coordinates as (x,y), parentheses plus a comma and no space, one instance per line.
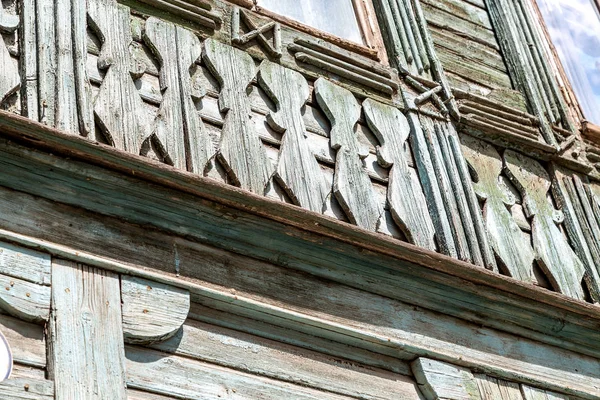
(46,58)
(28,49)
(472,70)
(179,133)
(443,381)
(10,79)
(505,235)
(23,386)
(26,341)
(83,90)
(283,362)
(562,266)
(297,169)
(23,299)
(531,393)
(491,388)
(133,394)
(23,263)
(462,9)
(65,97)
(351,185)
(152,311)
(85,333)
(240,150)
(407,202)
(118,106)
(184,378)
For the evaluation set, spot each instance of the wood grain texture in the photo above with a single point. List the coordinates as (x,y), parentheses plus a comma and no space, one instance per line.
(118,106)
(46,59)
(351,184)
(240,149)
(23,299)
(491,388)
(561,265)
(184,378)
(10,79)
(24,263)
(269,358)
(297,169)
(407,201)
(442,381)
(26,340)
(505,235)
(531,393)
(23,386)
(28,49)
(152,311)
(179,133)
(86,356)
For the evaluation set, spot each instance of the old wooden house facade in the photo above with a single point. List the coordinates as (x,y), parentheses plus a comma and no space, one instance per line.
(312,199)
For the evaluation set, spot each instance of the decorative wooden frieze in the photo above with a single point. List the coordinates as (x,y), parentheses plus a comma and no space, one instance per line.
(526,60)
(240,150)
(297,169)
(325,58)
(505,236)
(9,72)
(351,184)
(118,106)
(574,196)
(241,17)
(197,11)
(556,258)
(179,133)
(404,195)
(86,348)
(152,311)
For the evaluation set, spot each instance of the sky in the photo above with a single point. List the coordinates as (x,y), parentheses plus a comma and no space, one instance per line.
(574,27)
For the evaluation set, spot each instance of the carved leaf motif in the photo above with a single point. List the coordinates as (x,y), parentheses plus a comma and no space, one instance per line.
(560,263)
(9,72)
(407,202)
(118,106)
(241,151)
(297,169)
(351,184)
(504,233)
(177,122)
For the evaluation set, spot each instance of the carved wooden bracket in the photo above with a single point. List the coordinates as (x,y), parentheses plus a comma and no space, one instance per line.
(10,80)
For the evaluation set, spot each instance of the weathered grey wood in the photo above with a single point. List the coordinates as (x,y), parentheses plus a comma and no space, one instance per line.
(85,333)
(23,263)
(442,381)
(561,265)
(192,11)
(83,90)
(491,388)
(23,299)
(118,107)
(9,76)
(272,359)
(184,378)
(531,393)
(240,150)
(46,59)
(297,169)
(22,386)
(407,202)
(505,235)
(141,395)
(28,49)
(26,341)
(152,311)
(179,134)
(351,186)
(271,47)
(65,96)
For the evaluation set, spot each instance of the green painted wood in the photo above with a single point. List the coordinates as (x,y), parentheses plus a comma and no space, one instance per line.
(86,356)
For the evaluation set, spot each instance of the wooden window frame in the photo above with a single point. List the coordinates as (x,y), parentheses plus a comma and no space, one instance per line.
(588,129)
(373,46)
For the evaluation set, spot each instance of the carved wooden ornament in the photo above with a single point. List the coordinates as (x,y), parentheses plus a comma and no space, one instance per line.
(297,169)
(240,152)
(405,197)
(9,72)
(351,184)
(118,106)
(556,258)
(179,132)
(505,235)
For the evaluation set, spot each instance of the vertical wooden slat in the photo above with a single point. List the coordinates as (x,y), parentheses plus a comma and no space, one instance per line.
(86,350)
